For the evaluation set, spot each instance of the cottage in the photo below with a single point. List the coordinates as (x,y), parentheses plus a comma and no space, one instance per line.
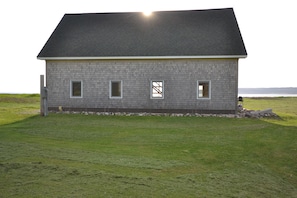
(170,61)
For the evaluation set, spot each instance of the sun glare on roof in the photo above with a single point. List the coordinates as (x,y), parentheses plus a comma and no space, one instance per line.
(147,13)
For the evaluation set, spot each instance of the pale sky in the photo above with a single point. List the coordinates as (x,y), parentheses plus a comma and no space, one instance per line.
(268,28)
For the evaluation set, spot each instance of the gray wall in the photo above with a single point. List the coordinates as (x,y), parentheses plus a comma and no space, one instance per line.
(180,83)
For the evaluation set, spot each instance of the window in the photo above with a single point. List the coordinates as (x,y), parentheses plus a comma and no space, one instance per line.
(157,89)
(76,89)
(115,89)
(203,89)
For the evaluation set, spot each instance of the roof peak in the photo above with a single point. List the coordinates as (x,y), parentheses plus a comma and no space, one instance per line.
(157,11)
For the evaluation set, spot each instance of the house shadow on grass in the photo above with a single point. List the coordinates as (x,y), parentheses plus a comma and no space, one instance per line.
(18,123)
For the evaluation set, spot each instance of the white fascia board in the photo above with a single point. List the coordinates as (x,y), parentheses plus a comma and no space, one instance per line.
(140,57)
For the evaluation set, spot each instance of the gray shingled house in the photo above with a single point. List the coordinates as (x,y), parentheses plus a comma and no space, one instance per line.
(170,61)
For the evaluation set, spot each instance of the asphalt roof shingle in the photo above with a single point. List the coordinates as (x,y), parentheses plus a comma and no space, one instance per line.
(131,34)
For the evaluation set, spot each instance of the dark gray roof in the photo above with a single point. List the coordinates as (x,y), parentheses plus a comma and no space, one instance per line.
(197,33)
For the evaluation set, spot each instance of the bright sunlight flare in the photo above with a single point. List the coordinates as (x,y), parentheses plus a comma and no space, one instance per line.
(147,13)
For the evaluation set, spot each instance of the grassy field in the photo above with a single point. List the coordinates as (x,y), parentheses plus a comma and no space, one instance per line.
(116,156)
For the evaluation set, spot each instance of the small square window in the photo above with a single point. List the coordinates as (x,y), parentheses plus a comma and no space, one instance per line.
(157,89)
(76,89)
(203,89)
(115,89)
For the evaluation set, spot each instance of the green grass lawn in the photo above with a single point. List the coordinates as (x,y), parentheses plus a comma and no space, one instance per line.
(117,156)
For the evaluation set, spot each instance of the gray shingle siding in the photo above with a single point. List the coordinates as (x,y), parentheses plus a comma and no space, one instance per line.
(180,84)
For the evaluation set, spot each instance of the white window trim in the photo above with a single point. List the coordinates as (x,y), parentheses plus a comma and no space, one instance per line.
(197,89)
(71,90)
(151,89)
(110,91)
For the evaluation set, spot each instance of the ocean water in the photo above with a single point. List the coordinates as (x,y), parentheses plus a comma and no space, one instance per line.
(268,92)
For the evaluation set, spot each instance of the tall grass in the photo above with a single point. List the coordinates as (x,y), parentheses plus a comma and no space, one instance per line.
(285,107)
(15,107)
(117,156)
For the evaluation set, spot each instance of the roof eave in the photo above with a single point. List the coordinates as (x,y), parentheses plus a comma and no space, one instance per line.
(141,57)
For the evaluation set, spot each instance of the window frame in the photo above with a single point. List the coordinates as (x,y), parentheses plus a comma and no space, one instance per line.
(151,89)
(110,89)
(71,88)
(209,89)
